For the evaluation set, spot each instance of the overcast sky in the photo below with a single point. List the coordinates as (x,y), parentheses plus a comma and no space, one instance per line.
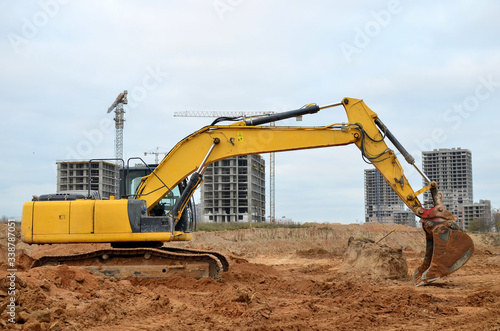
(429,69)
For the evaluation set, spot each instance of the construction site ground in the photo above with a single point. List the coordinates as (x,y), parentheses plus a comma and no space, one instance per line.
(279,279)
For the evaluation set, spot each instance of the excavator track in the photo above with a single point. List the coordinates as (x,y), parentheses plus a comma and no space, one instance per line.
(221,257)
(143,262)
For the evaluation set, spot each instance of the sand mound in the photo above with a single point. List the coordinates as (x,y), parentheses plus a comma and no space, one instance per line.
(366,258)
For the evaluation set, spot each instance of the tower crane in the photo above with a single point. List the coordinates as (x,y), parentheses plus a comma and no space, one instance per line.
(156,153)
(121,100)
(272,156)
(117,105)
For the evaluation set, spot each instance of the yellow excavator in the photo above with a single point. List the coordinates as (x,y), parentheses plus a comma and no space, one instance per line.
(137,225)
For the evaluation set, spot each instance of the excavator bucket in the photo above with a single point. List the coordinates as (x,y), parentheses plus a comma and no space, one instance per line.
(447,246)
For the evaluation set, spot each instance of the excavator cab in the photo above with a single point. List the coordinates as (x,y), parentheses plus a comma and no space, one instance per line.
(131,178)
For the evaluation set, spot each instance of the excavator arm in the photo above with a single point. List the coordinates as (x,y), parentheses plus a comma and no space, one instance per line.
(448,247)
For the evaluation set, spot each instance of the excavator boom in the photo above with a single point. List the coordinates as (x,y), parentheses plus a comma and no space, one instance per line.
(131,220)
(249,137)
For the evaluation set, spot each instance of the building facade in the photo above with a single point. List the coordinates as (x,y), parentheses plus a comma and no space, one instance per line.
(234,190)
(74,176)
(451,169)
(382,204)
(404,217)
(479,212)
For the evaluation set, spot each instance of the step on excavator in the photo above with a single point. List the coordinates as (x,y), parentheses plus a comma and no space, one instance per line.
(154,206)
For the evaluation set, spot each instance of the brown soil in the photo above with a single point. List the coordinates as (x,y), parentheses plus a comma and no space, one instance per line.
(279,279)
(378,261)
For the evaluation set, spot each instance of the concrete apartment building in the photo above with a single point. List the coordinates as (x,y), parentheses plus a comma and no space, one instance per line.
(382,204)
(404,217)
(234,190)
(452,170)
(478,211)
(74,175)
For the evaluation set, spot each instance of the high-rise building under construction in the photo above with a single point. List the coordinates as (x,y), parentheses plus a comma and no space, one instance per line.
(99,175)
(234,190)
(451,169)
(382,204)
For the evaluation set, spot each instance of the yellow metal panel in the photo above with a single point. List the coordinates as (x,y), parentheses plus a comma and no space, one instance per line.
(182,236)
(82,216)
(111,216)
(51,217)
(104,237)
(27,222)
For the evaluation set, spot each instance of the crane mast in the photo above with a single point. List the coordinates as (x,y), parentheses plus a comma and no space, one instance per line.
(121,100)
(117,105)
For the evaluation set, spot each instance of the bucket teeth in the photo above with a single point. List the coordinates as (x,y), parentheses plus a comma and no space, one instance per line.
(448,248)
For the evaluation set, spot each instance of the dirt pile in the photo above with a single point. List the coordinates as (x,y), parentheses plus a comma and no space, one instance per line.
(279,279)
(69,298)
(364,257)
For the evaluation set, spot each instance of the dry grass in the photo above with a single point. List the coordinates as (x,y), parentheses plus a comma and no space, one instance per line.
(210,227)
